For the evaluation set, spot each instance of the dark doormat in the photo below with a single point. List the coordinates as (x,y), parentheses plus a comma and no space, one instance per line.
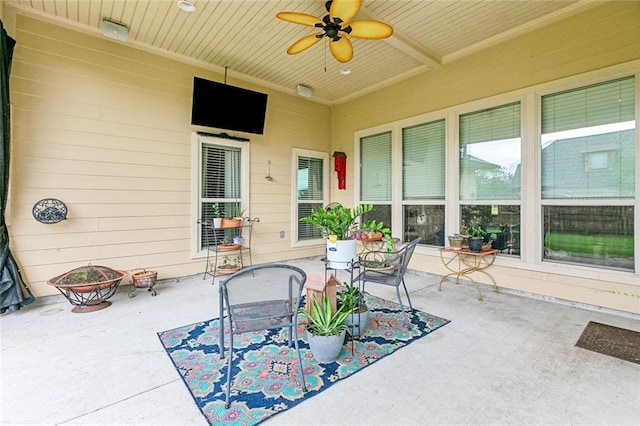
(609,340)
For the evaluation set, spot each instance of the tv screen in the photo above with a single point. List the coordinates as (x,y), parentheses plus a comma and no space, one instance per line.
(227,107)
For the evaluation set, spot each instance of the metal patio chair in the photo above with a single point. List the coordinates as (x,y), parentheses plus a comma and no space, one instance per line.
(261,297)
(388,268)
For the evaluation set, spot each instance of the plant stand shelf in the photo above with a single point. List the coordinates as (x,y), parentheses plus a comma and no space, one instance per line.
(216,243)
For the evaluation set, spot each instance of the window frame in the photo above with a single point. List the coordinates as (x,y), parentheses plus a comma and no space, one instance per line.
(197,141)
(296,153)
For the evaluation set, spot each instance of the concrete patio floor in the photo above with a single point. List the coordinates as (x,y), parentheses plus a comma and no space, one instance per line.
(509,359)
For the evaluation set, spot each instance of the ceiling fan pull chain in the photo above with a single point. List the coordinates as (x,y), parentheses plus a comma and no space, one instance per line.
(325,55)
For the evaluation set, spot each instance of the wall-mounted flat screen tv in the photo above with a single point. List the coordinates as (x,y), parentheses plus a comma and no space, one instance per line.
(227,107)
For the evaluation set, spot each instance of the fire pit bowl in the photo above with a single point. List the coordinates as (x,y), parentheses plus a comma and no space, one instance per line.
(87,288)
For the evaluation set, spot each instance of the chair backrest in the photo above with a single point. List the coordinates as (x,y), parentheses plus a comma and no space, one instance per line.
(386,267)
(263,296)
(405,257)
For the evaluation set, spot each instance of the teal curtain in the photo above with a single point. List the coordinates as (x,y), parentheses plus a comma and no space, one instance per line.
(14,294)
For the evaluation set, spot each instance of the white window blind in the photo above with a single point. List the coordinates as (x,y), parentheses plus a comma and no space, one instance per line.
(220,172)
(423,161)
(375,167)
(502,122)
(604,103)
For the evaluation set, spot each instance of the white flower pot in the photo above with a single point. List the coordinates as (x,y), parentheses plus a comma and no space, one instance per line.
(341,254)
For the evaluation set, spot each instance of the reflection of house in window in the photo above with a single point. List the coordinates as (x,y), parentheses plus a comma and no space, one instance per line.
(479,179)
(589,166)
(596,160)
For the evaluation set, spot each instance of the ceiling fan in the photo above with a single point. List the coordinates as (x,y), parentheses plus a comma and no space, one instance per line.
(337,26)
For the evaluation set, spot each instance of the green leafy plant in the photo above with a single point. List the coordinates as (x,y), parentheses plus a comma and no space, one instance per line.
(344,222)
(475,231)
(352,298)
(324,322)
(238,210)
(216,210)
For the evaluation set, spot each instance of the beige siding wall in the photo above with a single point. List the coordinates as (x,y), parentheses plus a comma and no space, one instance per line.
(105,128)
(600,37)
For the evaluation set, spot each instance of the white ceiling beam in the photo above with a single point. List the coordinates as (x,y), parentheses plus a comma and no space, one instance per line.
(405,44)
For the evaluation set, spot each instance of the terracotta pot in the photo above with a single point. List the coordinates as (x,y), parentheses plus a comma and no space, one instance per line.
(231,223)
(227,271)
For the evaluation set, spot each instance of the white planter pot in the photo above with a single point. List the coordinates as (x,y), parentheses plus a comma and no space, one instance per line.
(217,222)
(341,254)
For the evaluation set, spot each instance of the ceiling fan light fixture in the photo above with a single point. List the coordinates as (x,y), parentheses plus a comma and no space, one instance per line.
(337,26)
(186,6)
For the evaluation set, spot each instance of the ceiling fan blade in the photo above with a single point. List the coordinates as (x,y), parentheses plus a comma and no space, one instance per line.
(299,18)
(371,30)
(342,49)
(344,9)
(302,44)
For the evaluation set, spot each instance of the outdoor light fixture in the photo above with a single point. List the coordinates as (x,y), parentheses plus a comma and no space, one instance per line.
(186,6)
(114,30)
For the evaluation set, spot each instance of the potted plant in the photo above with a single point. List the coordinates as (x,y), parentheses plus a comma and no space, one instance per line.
(217,215)
(455,241)
(229,266)
(325,329)
(353,299)
(341,226)
(238,211)
(476,237)
(231,218)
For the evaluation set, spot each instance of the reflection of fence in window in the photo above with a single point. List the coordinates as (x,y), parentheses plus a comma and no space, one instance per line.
(592,235)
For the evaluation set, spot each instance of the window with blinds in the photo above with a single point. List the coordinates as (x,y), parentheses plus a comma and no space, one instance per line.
(375,168)
(221,177)
(490,153)
(587,152)
(423,161)
(588,142)
(310,193)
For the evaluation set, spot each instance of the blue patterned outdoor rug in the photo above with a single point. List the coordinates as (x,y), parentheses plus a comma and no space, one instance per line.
(266,379)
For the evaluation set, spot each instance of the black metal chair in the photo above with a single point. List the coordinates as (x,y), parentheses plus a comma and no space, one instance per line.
(388,268)
(261,297)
